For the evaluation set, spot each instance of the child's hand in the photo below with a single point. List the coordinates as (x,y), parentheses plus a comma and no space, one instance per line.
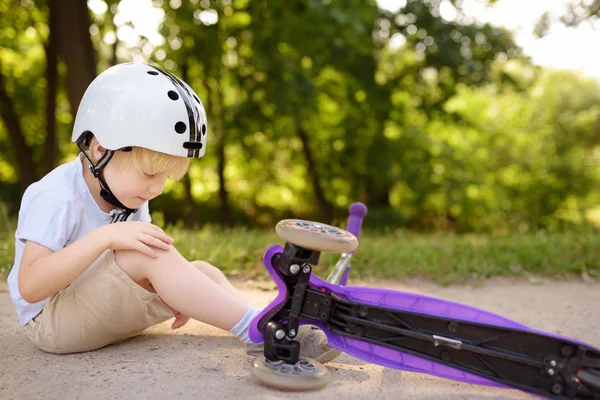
(180,319)
(134,235)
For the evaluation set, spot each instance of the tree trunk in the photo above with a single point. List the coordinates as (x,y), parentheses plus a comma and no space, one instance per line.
(192,215)
(24,155)
(378,181)
(223,194)
(377,196)
(324,205)
(51,145)
(75,47)
(214,94)
(114,60)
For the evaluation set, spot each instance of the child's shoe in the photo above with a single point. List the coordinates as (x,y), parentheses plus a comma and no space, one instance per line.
(313,344)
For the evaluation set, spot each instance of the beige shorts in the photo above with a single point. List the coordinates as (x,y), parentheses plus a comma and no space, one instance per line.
(101,307)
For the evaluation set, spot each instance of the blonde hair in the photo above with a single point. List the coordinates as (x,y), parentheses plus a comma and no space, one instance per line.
(149,162)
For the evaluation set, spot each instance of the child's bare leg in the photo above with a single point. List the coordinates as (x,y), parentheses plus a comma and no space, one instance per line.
(209,270)
(217,275)
(181,285)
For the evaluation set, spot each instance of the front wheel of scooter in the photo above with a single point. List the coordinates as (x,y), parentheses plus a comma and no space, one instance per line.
(306,374)
(316,236)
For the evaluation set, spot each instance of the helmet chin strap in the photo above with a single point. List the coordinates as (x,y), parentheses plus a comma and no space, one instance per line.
(105,191)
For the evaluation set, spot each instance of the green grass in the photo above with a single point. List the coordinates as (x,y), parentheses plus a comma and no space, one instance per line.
(7,252)
(442,258)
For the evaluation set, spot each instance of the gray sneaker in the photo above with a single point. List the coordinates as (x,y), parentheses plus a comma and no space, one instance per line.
(313,344)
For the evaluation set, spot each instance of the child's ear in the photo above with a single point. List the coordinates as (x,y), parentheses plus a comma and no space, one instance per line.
(98,151)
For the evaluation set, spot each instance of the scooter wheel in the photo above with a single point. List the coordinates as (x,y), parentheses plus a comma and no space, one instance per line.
(316,236)
(590,377)
(306,374)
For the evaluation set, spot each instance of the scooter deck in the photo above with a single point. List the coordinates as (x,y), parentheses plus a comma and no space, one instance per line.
(418,333)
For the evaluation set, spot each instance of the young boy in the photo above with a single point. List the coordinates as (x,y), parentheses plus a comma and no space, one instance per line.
(90,268)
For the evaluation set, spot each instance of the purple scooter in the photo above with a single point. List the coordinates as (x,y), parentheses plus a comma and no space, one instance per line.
(402,330)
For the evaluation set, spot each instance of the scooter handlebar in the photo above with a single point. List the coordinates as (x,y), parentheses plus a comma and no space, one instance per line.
(358,211)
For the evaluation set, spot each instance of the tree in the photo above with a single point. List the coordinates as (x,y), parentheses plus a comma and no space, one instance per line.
(75,47)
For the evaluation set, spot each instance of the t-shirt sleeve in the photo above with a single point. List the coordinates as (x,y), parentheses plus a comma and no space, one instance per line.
(48,221)
(145,213)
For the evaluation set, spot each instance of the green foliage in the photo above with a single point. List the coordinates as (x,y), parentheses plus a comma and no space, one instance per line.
(534,148)
(7,254)
(24,35)
(454,130)
(576,13)
(7,229)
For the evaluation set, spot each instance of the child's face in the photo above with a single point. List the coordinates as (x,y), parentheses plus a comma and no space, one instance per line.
(133,187)
(128,183)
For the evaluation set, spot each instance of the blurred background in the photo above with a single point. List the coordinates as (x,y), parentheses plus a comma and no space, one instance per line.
(439,115)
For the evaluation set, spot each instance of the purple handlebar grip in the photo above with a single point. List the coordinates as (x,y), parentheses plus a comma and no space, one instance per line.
(358,211)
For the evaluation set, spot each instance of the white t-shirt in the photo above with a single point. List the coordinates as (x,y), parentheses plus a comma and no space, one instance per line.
(55,212)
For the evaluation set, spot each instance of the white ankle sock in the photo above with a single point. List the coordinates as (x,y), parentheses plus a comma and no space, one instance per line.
(241,328)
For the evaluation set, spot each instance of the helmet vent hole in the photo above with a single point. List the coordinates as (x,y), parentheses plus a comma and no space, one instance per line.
(180,127)
(192,145)
(203,129)
(152,72)
(173,95)
(197,99)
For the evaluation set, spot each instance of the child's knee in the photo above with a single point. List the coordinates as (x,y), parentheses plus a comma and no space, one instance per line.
(208,269)
(127,258)
(139,265)
(132,262)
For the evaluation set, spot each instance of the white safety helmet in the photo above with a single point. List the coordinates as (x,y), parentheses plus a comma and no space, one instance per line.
(138,105)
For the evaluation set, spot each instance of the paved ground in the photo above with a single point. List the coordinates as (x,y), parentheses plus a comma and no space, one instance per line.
(200,362)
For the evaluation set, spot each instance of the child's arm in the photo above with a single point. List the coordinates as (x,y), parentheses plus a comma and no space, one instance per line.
(43,273)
